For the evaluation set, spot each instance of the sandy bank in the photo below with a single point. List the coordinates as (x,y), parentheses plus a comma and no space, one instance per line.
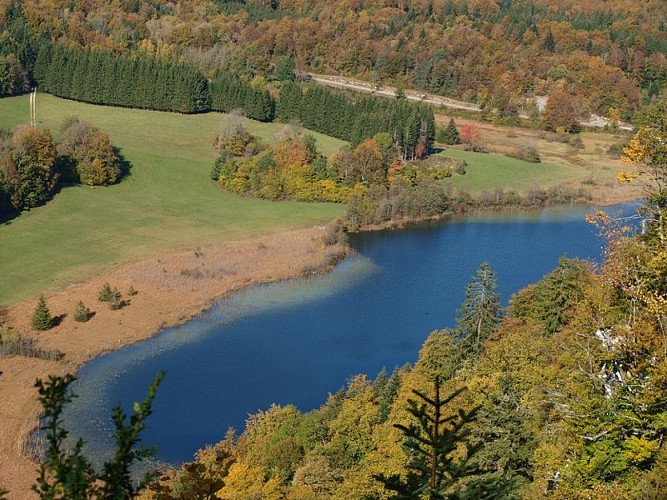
(172,287)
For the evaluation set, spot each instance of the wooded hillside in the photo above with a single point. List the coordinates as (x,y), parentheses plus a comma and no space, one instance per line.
(608,57)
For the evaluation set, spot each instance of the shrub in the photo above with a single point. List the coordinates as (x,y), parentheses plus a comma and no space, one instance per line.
(106,294)
(41,317)
(529,154)
(12,343)
(82,313)
(116,301)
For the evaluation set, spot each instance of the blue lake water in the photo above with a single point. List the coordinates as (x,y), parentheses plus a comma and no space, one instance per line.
(296,341)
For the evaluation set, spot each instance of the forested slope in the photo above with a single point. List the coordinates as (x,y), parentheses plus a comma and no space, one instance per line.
(607,57)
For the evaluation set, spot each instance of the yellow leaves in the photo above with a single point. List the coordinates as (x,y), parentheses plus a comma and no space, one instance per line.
(639,450)
(245,481)
(599,218)
(625,177)
(637,149)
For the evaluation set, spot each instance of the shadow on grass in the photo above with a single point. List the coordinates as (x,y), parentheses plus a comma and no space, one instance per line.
(125,165)
(67,171)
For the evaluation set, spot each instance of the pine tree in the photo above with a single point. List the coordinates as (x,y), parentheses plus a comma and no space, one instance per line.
(41,317)
(68,473)
(481,312)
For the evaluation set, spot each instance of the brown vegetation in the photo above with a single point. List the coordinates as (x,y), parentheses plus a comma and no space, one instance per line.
(166,296)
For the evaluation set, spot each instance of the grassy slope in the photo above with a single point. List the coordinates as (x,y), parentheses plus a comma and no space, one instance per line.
(489,171)
(167,201)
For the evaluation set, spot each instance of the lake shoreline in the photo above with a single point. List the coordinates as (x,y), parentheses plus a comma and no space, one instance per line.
(173,287)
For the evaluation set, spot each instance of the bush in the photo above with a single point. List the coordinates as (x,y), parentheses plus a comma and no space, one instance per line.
(529,154)
(116,301)
(82,313)
(106,294)
(12,343)
(41,317)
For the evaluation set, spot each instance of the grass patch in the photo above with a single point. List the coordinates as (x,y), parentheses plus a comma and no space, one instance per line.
(491,171)
(168,200)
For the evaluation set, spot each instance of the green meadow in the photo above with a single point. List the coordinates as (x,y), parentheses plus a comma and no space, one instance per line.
(167,200)
(490,171)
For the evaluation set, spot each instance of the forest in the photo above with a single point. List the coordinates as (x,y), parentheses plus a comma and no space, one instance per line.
(607,58)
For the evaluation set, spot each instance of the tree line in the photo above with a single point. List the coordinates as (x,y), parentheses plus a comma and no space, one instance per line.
(411,126)
(105,78)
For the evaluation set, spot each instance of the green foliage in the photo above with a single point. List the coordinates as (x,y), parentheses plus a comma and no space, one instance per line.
(285,69)
(230,93)
(480,313)
(63,474)
(82,313)
(438,468)
(550,302)
(41,316)
(106,293)
(449,134)
(68,474)
(107,78)
(412,126)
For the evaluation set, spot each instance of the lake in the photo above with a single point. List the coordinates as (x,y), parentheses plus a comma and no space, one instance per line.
(296,341)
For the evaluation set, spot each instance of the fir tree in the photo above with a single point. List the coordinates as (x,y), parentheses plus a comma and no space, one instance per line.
(68,473)
(480,313)
(106,294)
(41,317)
(440,452)
(81,313)
(450,134)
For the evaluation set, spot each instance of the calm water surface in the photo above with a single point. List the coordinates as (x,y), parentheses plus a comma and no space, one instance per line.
(296,341)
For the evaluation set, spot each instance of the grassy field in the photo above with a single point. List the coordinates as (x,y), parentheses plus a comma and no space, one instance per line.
(489,171)
(168,200)
(591,166)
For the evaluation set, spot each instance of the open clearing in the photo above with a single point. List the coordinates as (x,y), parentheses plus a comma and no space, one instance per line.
(592,166)
(489,171)
(168,200)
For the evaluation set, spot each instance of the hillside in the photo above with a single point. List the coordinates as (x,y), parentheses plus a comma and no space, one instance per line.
(608,58)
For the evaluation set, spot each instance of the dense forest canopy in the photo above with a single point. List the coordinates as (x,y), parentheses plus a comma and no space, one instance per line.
(610,56)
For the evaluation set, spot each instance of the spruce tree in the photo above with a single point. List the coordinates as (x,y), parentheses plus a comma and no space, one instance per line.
(441,453)
(41,317)
(106,294)
(81,313)
(450,134)
(481,311)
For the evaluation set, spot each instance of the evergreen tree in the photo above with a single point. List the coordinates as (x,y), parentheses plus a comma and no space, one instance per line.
(481,312)
(450,134)
(41,317)
(81,313)
(67,474)
(106,294)
(549,43)
(440,452)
